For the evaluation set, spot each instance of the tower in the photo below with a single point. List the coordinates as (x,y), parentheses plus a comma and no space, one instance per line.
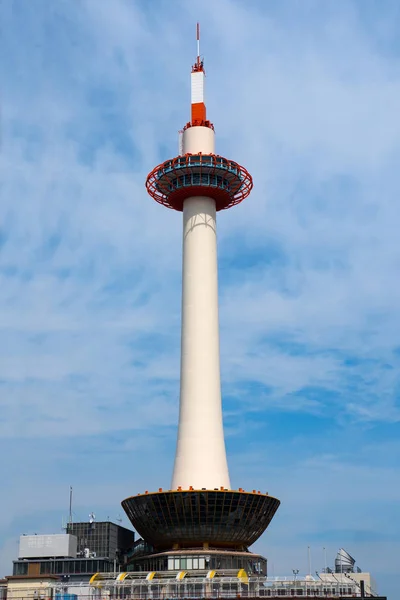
(200,510)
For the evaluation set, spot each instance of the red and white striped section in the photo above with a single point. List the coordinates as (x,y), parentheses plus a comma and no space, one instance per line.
(198,87)
(198,97)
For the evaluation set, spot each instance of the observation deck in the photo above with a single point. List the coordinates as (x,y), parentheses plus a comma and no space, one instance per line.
(174,180)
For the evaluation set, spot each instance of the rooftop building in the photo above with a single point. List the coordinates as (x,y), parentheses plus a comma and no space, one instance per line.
(201,583)
(102,538)
(94,547)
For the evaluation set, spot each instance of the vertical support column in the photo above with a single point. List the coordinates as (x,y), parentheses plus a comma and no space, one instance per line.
(200,455)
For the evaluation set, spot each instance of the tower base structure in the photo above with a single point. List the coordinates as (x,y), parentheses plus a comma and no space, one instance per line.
(202,530)
(196,562)
(194,518)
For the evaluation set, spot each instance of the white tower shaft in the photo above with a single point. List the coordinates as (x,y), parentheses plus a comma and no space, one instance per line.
(200,455)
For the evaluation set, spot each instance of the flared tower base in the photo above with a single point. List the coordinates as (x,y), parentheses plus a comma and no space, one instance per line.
(195,518)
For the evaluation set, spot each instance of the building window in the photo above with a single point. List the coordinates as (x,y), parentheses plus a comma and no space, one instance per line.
(20,568)
(45,568)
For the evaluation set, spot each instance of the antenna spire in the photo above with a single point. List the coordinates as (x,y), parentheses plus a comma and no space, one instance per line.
(198,43)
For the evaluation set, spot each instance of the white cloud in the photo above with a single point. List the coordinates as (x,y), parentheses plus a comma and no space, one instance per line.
(90,267)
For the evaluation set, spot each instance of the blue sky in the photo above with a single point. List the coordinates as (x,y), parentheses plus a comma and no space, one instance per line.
(306,96)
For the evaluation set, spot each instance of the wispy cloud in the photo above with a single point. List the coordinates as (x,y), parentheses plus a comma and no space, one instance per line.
(305,95)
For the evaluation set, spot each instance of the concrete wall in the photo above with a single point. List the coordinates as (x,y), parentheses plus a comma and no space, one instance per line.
(39,589)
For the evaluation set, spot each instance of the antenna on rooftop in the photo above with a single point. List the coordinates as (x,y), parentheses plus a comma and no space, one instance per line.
(70,505)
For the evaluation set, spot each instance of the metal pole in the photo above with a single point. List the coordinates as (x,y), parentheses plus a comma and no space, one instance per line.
(70,505)
(295,573)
